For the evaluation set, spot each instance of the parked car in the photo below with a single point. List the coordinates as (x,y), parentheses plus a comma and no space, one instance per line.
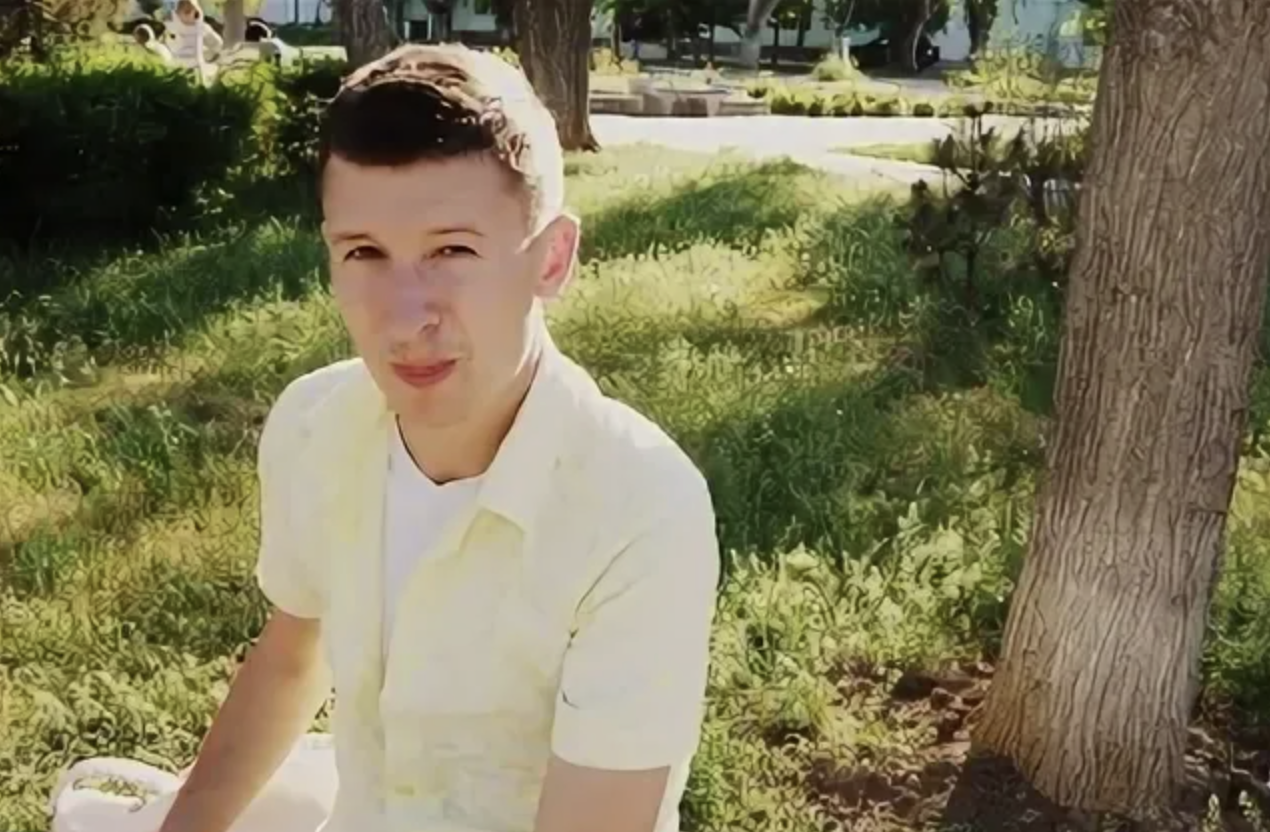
(878,53)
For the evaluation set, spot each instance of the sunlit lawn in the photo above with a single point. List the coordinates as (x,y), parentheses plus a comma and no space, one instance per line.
(872,505)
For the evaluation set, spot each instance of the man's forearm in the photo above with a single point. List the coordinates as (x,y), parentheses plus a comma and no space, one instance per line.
(271,703)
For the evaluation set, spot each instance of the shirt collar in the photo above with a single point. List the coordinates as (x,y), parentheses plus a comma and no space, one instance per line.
(519,476)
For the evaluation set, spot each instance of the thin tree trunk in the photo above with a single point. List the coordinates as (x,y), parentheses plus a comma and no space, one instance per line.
(1100,660)
(362,28)
(554,43)
(756,18)
(235,23)
(980,17)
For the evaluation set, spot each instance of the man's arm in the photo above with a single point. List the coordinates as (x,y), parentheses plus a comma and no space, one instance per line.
(633,688)
(577,799)
(285,680)
(272,702)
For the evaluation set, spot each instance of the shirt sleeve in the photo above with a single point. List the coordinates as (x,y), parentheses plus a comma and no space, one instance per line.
(281,571)
(633,686)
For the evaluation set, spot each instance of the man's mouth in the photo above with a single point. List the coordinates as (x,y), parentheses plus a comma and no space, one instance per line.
(424,375)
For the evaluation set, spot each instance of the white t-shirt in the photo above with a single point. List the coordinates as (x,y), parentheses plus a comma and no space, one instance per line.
(416,514)
(188,42)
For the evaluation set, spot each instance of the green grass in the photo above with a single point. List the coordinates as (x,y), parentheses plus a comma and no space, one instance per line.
(871,458)
(920,152)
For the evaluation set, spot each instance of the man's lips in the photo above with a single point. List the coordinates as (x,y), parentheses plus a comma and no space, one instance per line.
(424,375)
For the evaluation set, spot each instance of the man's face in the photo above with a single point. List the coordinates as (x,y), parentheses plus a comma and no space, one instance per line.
(437,280)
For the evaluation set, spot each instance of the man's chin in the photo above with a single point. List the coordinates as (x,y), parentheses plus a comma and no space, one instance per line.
(426,409)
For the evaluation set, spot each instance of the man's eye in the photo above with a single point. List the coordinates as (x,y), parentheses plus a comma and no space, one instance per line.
(363,253)
(454,251)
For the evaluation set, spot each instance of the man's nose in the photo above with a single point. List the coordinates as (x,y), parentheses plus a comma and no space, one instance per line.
(418,296)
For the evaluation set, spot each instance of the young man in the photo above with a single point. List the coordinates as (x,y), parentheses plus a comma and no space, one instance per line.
(513,576)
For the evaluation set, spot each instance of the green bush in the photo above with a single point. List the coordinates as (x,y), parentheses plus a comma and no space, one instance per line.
(113,146)
(304,90)
(834,68)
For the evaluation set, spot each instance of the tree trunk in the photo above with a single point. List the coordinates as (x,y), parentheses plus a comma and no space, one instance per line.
(554,43)
(362,28)
(1100,660)
(751,36)
(235,23)
(980,17)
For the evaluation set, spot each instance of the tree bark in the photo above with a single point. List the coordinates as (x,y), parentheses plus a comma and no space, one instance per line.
(235,23)
(751,36)
(1101,654)
(362,28)
(980,17)
(554,43)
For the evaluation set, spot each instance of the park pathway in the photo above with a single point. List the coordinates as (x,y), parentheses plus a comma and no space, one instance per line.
(815,142)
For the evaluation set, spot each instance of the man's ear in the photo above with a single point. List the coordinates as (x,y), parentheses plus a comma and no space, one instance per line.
(558,246)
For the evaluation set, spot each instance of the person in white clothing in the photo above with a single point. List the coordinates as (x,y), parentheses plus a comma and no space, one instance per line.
(189,37)
(147,40)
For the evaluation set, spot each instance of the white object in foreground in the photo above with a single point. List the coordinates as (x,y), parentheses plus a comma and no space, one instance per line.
(298,798)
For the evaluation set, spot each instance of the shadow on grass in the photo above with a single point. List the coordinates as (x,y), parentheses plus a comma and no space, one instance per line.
(134,307)
(160,451)
(735,206)
(810,470)
(1007,338)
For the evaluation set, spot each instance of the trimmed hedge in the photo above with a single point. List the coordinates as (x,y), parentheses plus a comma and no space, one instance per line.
(796,101)
(115,146)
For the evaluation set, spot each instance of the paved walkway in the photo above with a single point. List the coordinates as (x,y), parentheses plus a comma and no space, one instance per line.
(811,141)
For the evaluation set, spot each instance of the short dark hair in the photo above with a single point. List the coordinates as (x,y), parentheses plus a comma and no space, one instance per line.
(422,102)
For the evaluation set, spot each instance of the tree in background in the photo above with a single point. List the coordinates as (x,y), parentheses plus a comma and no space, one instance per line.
(362,28)
(671,20)
(553,39)
(1096,18)
(502,11)
(40,25)
(235,22)
(903,22)
(1099,667)
(980,15)
(756,17)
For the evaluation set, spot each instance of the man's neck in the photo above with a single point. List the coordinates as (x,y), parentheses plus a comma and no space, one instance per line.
(465,450)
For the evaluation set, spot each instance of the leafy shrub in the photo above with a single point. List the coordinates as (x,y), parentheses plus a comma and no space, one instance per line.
(303,91)
(993,246)
(604,61)
(113,146)
(834,68)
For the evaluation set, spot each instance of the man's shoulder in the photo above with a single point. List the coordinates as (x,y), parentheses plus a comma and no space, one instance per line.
(649,472)
(301,406)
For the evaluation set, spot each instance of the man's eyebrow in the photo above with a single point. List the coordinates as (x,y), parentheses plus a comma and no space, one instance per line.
(346,236)
(339,236)
(456,229)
